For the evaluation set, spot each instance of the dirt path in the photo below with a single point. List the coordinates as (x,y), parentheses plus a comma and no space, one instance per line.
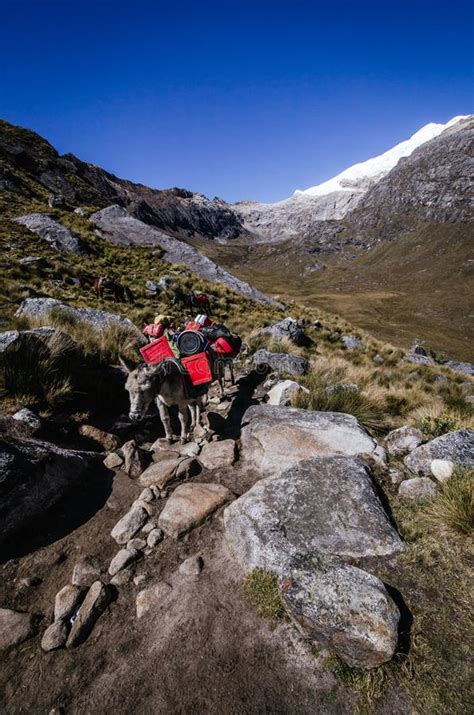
(203,650)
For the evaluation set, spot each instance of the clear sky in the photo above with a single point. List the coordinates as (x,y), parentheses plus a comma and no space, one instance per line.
(236,99)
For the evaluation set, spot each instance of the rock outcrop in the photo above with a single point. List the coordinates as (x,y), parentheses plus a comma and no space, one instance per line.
(281,362)
(342,607)
(275,438)
(53,232)
(321,505)
(458,447)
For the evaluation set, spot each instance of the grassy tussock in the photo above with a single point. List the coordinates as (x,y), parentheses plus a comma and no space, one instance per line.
(453,509)
(260,588)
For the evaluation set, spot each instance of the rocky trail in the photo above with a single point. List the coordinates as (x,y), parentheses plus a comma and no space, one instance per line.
(128,591)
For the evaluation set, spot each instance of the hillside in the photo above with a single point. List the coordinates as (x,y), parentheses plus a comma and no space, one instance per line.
(305,547)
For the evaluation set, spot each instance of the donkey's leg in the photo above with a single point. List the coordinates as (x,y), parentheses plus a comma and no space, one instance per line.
(232,376)
(165,418)
(183,420)
(193,409)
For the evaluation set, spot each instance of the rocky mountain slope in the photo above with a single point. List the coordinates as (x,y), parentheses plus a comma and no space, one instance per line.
(300,216)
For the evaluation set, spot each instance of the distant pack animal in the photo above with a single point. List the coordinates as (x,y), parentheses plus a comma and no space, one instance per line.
(105,286)
(164,384)
(194,302)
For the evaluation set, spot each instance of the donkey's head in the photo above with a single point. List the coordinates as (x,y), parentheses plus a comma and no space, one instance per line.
(142,386)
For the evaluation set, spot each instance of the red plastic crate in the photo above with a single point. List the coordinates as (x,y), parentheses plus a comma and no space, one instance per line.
(157,351)
(198,368)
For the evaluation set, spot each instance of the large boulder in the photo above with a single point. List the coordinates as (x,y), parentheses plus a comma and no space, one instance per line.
(322,505)
(98,319)
(218,455)
(34,476)
(342,607)
(289,329)
(281,362)
(457,447)
(275,438)
(189,505)
(465,368)
(53,232)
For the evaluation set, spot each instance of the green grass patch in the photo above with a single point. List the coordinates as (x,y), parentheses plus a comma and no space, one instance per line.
(260,588)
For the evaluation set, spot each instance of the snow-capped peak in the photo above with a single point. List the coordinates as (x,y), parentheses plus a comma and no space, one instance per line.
(360,177)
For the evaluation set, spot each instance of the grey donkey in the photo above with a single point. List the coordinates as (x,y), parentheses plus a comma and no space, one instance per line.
(165,384)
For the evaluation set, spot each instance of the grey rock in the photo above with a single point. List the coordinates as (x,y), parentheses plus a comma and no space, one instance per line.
(28,418)
(395,476)
(161,471)
(122,577)
(419,359)
(417,349)
(218,455)
(322,505)
(189,505)
(113,460)
(98,319)
(86,571)
(458,447)
(281,362)
(123,558)
(465,368)
(351,342)
(15,627)
(442,470)
(105,439)
(287,329)
(55,636)
(154,538)
(136,544)
(190,449)
(378,359)
(80,211)
(96,601)
(146,495)
(66,602)
(403,439)
(56,201)
(54,233)
(275,438)
(284,392)
(136,459)
(343,608)
(152,287)
(129,524)
(417,489)
(191,568)
(35,475)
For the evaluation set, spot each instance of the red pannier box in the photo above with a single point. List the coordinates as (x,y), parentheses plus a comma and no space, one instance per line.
(157,351)
(193,326)
(223,347)
(198,368)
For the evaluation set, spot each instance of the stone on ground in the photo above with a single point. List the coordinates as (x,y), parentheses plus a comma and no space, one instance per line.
(113,460)
(15,627)
(289,329)
(192,567)
(123,558)
(401,440)
(417,489)
(324,505)
(188,468)
(275,438)
(66,601)
(28,418)
(129,524)
(94,604)
(152,598)
(457,447)
(189,505)
(160,472)
(342,607)
(281,362)
(190,449)
(53,232)
(351,342)
(154,538)
(55,636)
(218,455)
(284,392)
(86,571)
(135,459)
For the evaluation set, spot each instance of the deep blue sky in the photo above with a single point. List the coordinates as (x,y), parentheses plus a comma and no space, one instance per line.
(236,99)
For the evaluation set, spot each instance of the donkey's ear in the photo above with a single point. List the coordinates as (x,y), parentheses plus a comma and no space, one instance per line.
(125,368)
